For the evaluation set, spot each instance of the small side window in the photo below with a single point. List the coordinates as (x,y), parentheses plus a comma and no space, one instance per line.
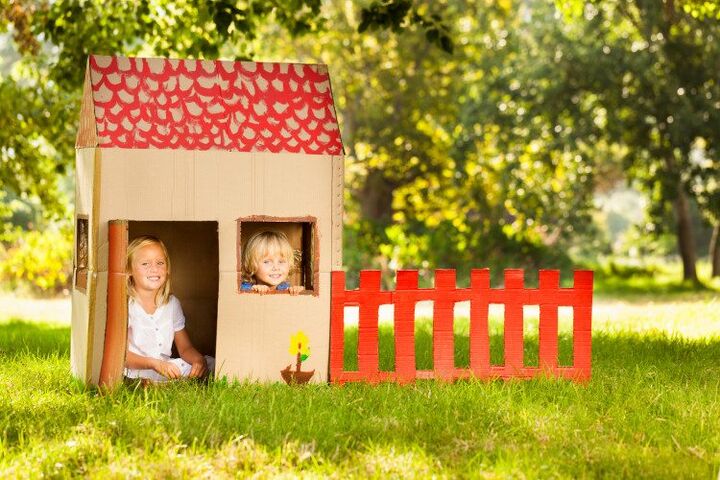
(81,253)
(302,235)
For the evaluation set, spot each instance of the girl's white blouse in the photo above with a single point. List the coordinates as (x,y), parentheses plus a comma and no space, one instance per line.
(152,335)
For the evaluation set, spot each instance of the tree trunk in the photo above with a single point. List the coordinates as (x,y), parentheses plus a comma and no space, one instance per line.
(376,197)
(715,250)
(686,243)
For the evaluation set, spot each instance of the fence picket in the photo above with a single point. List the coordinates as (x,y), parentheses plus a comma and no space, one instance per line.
(479,328)
(514,300)
(549,284)
(405,298)
(443,316)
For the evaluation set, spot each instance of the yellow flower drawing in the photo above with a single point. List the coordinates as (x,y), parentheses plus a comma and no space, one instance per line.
(299,345)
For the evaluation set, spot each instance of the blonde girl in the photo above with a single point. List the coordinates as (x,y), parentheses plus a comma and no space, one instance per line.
(268,259)
(155,318)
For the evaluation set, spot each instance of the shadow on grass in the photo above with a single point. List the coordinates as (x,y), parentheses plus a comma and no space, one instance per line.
(648,287)
(42,339)
(609,351)
(672,353)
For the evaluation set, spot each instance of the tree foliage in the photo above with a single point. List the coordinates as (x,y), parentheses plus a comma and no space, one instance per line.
(654,69)
(476,132)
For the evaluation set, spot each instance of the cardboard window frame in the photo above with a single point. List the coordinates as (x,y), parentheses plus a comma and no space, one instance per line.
(310,245)
(82,252)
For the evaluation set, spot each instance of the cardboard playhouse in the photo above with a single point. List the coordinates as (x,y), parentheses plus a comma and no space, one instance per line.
(203,154)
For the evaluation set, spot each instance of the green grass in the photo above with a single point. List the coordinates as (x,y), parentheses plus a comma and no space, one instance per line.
(650,411)
(651,280)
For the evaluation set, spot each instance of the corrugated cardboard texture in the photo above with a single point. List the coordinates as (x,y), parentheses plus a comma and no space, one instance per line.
(219,186)
(337,210)
(82,300)
(145,185)
(192,163)
(256,331)
(79,335)
(87,132)
(84,173)
(98,326)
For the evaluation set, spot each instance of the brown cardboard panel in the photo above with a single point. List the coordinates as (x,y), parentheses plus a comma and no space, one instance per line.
(79,336)
(208,178)
(234,191)
(115,184)
(84,173)
(101,247)
(254,331)
(149,185)
(135,185)
(337,210)
(98,327)
(293,182)
(183,187)
(93,220)
(83,301)
(280,185)
(193,251)
(86,167)
(87,132)
(301,186)
(145,185)
(219,186)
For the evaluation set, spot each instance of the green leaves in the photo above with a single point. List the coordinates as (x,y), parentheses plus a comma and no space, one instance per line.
(397,15)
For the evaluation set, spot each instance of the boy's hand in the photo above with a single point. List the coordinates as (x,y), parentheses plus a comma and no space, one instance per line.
(199,368)
(261,289)
(296,289)
(167,369)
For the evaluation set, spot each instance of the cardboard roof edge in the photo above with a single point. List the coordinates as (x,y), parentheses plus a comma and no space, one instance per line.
(160,103)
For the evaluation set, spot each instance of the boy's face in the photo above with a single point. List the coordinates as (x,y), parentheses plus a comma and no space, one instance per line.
(272,270)
(149,268)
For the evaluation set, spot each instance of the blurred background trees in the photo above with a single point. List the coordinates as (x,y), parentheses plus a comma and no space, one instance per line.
(478,133)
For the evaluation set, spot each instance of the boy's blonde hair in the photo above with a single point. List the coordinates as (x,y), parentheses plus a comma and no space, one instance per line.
(262,244)
(163,294)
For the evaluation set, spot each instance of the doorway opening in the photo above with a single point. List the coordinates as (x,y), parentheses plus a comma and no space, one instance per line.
(194,257)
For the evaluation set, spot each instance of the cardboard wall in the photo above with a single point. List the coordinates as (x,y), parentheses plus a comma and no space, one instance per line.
(253,331)
(81,340)
(256,331)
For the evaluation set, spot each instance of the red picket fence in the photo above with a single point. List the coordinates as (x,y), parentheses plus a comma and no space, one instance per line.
(549,296)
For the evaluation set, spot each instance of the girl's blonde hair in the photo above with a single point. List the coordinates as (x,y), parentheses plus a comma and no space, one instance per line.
(163,294)
(260,245)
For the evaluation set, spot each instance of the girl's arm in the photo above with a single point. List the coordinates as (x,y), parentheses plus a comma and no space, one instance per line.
(189,354)
(138,362)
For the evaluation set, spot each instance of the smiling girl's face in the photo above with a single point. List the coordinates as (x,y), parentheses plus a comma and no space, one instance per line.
(149,268)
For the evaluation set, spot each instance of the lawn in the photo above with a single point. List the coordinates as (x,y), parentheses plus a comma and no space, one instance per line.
(650,410)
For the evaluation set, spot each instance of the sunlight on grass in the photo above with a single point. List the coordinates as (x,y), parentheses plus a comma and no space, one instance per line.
(698,319)
(650,410)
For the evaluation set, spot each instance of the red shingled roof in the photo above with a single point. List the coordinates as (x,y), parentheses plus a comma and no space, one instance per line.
(211,104)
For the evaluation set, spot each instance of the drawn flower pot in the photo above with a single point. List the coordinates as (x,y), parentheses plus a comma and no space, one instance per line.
(296,377)
(298,347)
